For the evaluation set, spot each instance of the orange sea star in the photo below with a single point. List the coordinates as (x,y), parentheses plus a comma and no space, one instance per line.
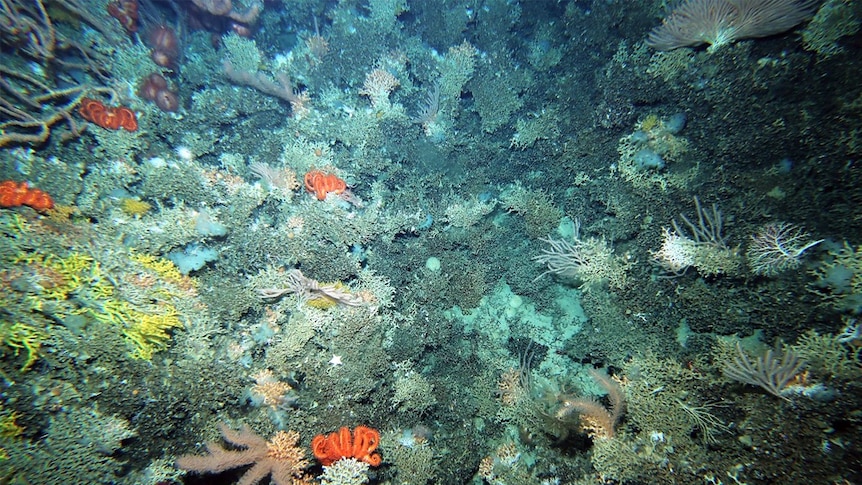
(320,183)
(335,446)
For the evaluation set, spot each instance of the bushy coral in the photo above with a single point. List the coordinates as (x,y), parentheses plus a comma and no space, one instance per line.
(242,53)
(411,454)
(645,153)
(347,471)
(839,277)
(9,428)
(830,355)
(268,391)
(467,213)
(541,215)
(79,446)
(496,94)
(835,19)
(667,425)
(543,126)
(414,393)
(679,252)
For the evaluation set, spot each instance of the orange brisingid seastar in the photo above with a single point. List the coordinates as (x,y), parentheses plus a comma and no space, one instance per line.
(321,183)
(109,118)
(330,448)
(14,194)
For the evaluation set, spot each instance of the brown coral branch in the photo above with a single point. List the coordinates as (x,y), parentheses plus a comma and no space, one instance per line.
(283,90)
(220,459)
(225,8)
(28,22)
(33,104)
(28,127)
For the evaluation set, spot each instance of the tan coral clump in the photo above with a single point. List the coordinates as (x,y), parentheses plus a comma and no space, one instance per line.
(268,390)
(590,261)
(283,447)
(510,388)
(839,278)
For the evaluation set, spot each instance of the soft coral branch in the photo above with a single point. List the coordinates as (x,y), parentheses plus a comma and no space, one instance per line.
(280,457)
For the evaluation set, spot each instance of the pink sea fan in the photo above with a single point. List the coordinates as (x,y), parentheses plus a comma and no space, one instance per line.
(719,22)
(281,458)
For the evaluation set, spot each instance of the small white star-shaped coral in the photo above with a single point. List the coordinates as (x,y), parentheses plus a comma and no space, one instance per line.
(335,360)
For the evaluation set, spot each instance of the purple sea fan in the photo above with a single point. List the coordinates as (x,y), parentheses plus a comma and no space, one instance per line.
(777,247)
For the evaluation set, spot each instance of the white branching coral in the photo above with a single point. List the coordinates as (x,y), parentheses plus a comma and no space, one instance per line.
(414,393)
(589,260)
(677,253)
(346,471)
(778,247)
(699,243)
(378,85)
(466,213)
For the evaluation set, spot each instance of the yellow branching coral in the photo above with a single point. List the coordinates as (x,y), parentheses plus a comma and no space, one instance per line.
(164,268)
(8,427)
(322,303)
(651,121)
(76,284)
(135,207)
(63,214)
(20,337)
(147,332)
(58,277)
(13,224)
(150,334)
